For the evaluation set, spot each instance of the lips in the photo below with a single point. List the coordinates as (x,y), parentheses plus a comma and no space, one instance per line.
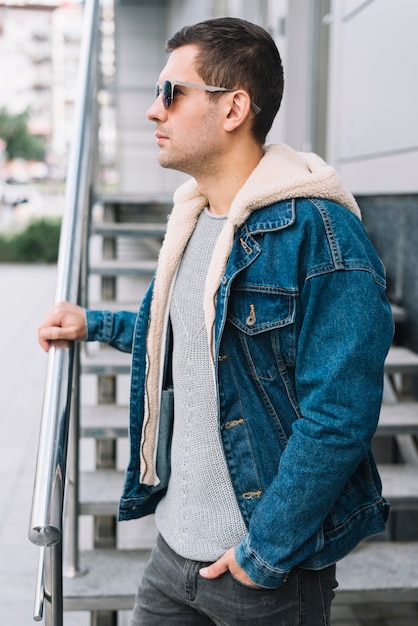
(160,137)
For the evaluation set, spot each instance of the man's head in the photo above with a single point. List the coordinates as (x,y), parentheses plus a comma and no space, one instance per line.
(236,54)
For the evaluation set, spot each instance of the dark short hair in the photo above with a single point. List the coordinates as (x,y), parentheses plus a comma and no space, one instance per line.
(237,54)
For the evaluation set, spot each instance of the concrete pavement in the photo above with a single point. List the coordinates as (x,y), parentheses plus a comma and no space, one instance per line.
(26,293)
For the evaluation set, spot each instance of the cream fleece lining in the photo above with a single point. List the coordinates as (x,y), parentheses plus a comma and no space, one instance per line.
(281,174)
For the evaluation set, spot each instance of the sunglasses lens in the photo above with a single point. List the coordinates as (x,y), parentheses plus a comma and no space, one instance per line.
(166,91)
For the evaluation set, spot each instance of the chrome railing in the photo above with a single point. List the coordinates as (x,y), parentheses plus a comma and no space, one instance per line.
(46,523)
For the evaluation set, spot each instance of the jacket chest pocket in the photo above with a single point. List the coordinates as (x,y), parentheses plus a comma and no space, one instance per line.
(254,311)
(266,321)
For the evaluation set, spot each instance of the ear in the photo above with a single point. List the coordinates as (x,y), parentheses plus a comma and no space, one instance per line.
(239,110)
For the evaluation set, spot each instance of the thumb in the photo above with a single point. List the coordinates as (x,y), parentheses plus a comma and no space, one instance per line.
(216,569)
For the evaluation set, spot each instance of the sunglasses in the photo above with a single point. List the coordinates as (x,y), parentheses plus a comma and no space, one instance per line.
(169,86)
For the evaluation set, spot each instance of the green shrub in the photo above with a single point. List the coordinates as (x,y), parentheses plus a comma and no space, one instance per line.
(36,243)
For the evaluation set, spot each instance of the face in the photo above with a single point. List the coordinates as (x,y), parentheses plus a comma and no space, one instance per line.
(189,134)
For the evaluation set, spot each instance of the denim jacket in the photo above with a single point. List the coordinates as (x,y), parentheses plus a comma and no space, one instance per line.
(300,335)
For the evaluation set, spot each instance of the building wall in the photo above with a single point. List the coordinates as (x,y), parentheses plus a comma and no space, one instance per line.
(392,223)
(373,95)
(39,49)
(66,42)
(373,132)
(141,30)
(26,63)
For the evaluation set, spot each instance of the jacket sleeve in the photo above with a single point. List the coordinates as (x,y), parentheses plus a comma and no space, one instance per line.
(115,329)
(345,332)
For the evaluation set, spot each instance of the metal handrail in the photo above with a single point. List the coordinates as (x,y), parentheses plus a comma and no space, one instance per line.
(48,497)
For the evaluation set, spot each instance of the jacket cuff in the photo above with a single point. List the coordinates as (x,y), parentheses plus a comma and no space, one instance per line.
(260,573)
(99,325)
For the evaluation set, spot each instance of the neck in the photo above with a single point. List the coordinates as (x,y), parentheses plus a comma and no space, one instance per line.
(221,188)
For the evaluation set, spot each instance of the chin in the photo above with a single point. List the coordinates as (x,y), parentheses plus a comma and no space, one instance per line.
(169,164)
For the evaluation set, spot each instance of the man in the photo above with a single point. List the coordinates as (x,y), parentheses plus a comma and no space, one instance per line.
(268,309)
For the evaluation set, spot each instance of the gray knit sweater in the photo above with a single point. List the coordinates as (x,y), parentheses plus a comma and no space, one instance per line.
(199,517)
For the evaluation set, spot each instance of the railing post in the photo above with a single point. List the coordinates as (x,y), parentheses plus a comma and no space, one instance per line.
(48,497)
(71,533)
(53,598)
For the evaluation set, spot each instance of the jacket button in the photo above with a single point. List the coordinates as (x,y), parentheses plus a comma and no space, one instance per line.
(250,495)
(248,249)
(251,318)
(234,423)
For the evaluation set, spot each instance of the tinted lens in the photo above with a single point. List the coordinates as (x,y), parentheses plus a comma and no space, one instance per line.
(165,91)
(167,94)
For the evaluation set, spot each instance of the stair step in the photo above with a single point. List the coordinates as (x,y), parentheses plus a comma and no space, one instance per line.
(162,203)
(104,421)
(379,571)
(107,362)
(401,360)
(123,268)
(118,229)
(376,571)
(110,581)
(400,486)
(110,421)
(398,419)
(399,313)
(100,492)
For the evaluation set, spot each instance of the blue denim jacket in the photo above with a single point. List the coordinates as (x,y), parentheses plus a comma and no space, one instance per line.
(302,330)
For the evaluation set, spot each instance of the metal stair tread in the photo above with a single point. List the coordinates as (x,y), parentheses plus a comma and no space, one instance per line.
(106,362)
(399,418)
(110,421)
(400,485)
(156,200)
(398,312)
(104,421)
(115,306)
(379,571)
(401,360)
(110,582)
(100,491)
(131,229)
(122,268)
(376,571)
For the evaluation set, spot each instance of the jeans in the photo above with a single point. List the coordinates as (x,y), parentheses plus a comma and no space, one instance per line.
(172,592)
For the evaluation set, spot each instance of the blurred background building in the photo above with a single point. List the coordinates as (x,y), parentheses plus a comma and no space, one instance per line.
(39,48)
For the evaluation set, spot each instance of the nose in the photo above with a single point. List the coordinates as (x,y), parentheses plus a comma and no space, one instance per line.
(157,110)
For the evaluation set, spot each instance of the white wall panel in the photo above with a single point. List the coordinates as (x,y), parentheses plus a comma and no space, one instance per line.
(373,124)
(141,32)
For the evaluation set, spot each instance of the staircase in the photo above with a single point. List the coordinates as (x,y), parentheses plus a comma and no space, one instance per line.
(125,238)
(385,569)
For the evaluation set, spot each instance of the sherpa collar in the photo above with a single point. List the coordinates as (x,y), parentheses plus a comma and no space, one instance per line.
(281,174)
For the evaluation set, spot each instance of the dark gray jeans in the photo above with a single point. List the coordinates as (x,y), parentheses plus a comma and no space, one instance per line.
(172,592)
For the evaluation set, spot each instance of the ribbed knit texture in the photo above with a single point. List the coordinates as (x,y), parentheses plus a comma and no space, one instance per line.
(282,174)
(199,517)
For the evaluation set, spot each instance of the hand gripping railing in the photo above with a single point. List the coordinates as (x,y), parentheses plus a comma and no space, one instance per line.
(48,498)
